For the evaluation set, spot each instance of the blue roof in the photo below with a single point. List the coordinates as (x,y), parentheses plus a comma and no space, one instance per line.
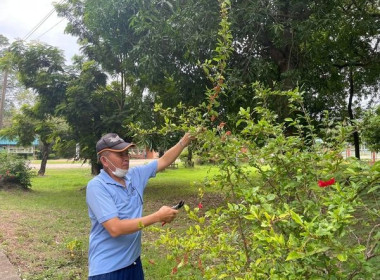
(5,141)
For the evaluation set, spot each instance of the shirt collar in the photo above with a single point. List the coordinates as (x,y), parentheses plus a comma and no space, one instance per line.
(108,179)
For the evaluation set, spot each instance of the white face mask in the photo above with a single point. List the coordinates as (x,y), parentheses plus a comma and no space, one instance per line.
(119,172)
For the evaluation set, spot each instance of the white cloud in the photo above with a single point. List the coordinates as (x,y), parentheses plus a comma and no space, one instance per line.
(19,17)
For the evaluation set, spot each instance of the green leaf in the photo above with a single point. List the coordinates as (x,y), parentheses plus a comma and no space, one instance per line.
(296,217)
(294,255)
(342,257)
(373,188)
(250,217)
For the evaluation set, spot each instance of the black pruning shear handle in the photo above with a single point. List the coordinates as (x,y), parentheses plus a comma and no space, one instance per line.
(176,207)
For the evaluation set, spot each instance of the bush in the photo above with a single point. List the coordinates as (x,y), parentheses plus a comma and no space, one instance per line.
(15,170)
(291,205)
(292,201)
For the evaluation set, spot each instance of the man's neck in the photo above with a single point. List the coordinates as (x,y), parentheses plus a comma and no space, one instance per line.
(121,181)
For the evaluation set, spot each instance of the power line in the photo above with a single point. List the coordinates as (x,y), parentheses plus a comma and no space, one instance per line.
(50,29)
(38,25)
(34,29)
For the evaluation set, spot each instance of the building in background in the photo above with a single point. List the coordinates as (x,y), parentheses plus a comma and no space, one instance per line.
(11,146)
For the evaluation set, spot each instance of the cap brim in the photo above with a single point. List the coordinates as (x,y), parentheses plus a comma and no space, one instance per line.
(118,148)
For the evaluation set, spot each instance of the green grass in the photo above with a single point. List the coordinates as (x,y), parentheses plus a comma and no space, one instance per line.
(46,228)
(44,231)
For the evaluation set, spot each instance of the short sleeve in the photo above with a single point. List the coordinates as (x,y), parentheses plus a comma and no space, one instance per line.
(144,173)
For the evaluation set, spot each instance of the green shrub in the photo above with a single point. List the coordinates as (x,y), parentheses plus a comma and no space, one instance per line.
(14,170)
(291,202)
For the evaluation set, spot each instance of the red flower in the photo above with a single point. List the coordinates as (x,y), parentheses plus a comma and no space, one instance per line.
(324,184)
(221,125)
(228,133)
(200,206)
(217,89)
(174,270)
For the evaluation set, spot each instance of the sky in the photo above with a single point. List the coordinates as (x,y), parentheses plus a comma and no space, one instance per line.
(19,17)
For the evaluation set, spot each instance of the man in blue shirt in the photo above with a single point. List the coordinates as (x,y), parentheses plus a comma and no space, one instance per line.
(115,206)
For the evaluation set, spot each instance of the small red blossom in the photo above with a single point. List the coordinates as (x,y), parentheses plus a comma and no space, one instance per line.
(217,89)
(174,270)
(221,125)
(228,133)
(324,184)
(200,205)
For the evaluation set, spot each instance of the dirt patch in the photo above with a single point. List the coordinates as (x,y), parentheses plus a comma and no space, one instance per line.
(11,223)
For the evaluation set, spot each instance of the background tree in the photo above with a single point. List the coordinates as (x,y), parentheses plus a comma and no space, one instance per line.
(4,68)
(41,68)
(146,45)
(93,108)
(371,130)
(282,44)
(27,125)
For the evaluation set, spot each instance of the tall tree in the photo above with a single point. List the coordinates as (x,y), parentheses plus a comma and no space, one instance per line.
(93,108)
(4,67)
(329,48)
(103,30)
(128,39)
(41,68)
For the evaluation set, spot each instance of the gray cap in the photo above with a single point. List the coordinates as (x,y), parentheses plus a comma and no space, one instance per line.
(112,142)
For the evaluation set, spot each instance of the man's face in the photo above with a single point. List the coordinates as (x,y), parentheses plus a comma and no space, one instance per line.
(118,159)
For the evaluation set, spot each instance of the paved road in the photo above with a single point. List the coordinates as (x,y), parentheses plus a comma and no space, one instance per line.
(7,270)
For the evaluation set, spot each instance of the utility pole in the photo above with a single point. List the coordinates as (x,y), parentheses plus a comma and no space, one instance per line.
(3,97)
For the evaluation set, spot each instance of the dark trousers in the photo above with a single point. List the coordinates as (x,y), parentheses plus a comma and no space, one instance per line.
(132,272)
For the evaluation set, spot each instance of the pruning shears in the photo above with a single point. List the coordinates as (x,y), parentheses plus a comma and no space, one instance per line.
(176,207)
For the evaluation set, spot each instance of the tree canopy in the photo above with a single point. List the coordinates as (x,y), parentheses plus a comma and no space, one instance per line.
(282,44)
(40,68)
(138,53)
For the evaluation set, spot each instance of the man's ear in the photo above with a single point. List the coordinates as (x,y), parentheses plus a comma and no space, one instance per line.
(102,160)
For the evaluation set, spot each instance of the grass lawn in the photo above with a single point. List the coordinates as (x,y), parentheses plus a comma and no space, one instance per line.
(45,230)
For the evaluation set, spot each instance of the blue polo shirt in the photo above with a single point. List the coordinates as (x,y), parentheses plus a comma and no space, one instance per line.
(107,199)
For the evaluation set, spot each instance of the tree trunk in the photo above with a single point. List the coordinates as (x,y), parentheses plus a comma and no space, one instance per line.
(351,115)
(45,151)
(95,168)
(190,162)
(3,97)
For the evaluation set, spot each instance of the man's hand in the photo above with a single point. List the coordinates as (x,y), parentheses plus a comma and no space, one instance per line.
(166,214)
